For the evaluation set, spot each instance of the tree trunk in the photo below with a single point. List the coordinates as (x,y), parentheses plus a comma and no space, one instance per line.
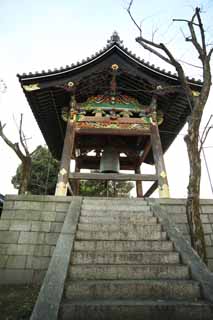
(193,200)
(25,174)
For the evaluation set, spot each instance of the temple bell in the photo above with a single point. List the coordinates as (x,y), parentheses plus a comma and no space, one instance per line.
(110,161)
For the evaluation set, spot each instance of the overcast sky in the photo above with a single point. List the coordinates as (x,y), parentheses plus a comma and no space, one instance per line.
(47,34)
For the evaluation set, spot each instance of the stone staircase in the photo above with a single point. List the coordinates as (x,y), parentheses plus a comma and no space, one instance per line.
(123,266)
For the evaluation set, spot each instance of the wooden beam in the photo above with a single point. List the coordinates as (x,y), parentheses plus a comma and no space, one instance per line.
(113,176)
(69,189)
(159,162)
(63,176)
(123,147)
(150,191)
(93,163)
(147,148)
(110,131)
(85,148)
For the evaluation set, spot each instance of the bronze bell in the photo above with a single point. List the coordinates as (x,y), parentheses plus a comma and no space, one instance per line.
(110,161)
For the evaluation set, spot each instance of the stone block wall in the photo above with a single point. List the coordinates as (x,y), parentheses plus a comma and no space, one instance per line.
(30,226)
(176,210)
(29,229)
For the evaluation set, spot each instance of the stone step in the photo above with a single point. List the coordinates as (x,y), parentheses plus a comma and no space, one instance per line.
(145,234)
(133,289)
(110,272)
(100,257)
(111,207)
(135,309)
(101,202)
(123,245)
(116,213)
(101,227)
(119,219)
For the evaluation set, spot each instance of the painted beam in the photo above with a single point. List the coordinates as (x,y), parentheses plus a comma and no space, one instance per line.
(108,120)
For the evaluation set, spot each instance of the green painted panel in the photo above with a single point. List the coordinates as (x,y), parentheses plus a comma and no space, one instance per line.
(112,102)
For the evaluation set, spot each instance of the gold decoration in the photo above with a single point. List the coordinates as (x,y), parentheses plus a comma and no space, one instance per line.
(114,66)
(195,93)
(73,115)
(70,84)
(61,189)
(154,117)
(63,171)
(163,174)
(65,114)
(164,191)
(160,117)
(31,87)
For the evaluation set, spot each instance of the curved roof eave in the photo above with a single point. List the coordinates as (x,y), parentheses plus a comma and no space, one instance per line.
(90,60)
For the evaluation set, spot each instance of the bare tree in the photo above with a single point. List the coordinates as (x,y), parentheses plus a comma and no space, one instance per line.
(196,103)
(22,152)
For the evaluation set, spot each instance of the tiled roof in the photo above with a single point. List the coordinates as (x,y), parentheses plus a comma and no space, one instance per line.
(114,41)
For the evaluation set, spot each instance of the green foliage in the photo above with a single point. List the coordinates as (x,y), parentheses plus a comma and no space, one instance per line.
(101,188)
(44,173)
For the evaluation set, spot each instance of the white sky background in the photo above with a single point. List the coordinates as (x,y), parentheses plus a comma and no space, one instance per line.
(47,34)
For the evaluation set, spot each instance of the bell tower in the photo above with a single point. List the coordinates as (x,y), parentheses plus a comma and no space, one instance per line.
(110,113)
(105,125)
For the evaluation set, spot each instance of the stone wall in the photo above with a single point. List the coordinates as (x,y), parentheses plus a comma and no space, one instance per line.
(176,210)
(30,226)
(29,229)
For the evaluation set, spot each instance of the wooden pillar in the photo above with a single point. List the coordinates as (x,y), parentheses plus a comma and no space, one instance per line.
(76,182)
(139,188)
(159,162)
(63,175)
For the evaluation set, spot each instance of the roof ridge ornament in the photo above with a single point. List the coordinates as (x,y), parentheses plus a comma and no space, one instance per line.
(115,39)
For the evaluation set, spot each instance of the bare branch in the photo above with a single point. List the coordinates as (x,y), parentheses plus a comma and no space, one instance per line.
(183,34)
(202,32)
(143,42)
(179,69)
(2,127)
(210,54)
(184,20)
(152,46)
(193,38)
(154,32)
(190,64)
(205,133)
(205,137)
(129,12)
(21,136)
(13,146)
(155,48)
(196,104)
